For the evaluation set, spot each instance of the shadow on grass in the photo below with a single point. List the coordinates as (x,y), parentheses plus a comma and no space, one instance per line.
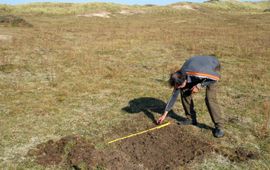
(147,105)
(150,105)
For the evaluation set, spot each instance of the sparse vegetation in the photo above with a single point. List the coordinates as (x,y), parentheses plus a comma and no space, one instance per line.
(70,75)
(15,21)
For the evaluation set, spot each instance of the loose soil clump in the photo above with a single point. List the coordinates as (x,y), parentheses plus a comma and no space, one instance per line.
(242,154)
(238,154)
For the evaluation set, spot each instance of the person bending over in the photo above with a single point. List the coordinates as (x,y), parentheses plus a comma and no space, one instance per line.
(197,72)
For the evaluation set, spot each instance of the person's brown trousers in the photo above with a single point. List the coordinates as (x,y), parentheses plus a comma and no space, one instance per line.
(211,103)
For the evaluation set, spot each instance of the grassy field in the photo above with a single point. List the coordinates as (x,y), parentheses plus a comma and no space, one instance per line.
(72,75)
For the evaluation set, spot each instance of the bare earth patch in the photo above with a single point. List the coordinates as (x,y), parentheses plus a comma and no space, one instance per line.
(168,148)
(102,14)
(78,153)
(7,38)
(190,7)
(131,12)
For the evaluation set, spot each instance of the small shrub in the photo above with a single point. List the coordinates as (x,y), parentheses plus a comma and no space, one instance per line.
(15,21)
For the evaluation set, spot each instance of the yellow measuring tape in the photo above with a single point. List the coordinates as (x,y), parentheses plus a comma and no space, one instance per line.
(158,127)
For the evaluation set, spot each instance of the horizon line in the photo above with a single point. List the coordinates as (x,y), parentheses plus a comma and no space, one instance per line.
(120,3)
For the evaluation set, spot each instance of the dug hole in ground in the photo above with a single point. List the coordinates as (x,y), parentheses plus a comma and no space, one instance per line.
(169,147)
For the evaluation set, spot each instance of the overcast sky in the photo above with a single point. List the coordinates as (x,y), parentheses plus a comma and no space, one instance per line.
(129,2)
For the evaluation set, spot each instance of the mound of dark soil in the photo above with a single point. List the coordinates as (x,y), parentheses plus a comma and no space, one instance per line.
(78,153)
(166,148)
(52,153)
(170,147)
(15,21)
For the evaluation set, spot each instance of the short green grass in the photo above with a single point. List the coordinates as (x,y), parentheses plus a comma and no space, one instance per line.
(73,75)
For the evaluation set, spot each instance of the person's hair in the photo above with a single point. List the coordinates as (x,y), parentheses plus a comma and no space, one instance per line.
(218,67)
(176,78)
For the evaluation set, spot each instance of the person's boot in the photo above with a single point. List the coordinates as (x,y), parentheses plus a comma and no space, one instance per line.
(218,132)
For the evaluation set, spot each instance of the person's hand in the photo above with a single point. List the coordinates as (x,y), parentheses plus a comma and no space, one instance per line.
(195,89)
(161,119)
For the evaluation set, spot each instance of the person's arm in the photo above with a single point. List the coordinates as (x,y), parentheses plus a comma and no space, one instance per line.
(169,105)
(172,100)
(201,85)
(206,82)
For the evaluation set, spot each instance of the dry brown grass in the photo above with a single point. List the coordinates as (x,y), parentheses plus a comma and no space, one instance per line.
(267,116)
(73,75)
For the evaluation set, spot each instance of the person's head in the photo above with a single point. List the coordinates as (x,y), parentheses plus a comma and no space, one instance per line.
(177,80)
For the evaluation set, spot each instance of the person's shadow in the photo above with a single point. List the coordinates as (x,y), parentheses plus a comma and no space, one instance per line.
(147,105)
(150,105)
